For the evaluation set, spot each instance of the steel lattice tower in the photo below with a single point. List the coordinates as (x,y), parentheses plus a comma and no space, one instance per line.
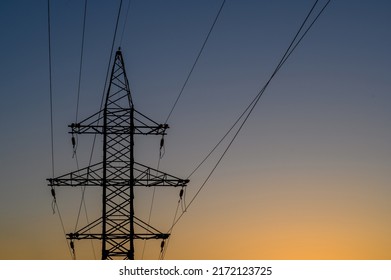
(118,173)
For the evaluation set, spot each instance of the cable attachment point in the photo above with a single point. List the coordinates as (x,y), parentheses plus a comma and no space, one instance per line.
(75,127)
(72,245)
(182,200)
(162,149)
(162,246)
(73,142)
(54,201)
(181,194)
(162,129)
(74,146)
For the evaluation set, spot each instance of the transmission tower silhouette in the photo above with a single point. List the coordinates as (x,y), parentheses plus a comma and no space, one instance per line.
(118,173)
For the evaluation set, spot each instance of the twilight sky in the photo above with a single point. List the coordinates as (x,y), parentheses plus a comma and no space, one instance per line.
(308,176)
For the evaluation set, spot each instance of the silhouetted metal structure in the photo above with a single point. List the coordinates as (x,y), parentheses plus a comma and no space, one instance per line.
(118,173)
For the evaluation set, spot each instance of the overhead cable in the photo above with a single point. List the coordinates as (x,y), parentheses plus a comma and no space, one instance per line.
(249,109)
(75,140)
(50,90)
(195,62)
(126,20)
(81,59)
(54,202)
(161,150)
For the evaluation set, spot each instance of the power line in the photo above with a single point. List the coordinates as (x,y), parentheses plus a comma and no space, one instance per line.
(75,142)
(149,217)
(50,89)
(282,61)
(55,204)
(111,53)
(195,62)
(81,59)
(249,109)
(126,20)
(164,251)
(171,111)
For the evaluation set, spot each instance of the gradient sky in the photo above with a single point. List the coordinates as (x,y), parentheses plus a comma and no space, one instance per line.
(307,178)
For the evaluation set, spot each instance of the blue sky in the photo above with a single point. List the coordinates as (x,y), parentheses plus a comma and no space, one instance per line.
(308,176)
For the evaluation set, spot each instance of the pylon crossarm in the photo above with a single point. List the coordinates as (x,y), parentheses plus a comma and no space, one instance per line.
(150,229)
(92,176)
(89,232)
(88,176)
(86,231)
(143,125)
(91,125)
(146,236)
(148,177)
(143,236)
(146,126)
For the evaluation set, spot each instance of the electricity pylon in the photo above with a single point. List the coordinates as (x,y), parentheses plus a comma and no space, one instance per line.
(118,173)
